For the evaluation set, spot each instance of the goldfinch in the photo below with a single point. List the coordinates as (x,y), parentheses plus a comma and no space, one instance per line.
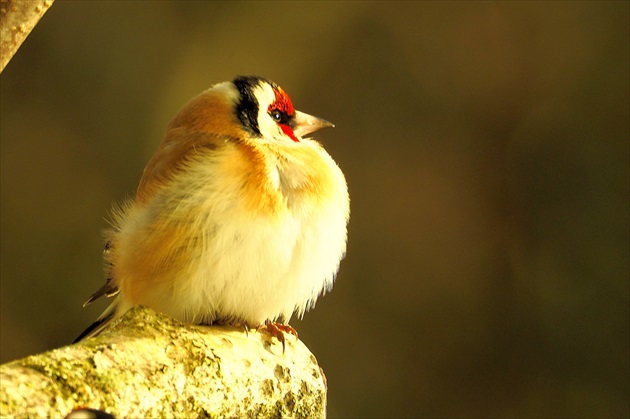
(238,218)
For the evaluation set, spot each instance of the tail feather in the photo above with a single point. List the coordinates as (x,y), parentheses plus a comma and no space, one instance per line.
(101,323)
(108,290)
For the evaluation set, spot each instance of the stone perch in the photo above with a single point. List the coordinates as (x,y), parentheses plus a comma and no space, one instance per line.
(149,365)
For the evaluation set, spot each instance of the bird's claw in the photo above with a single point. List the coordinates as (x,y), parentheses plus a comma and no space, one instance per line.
(278,330)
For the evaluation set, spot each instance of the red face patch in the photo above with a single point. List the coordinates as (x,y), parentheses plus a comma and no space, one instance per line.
(282,102)
(289,132)
(283,109)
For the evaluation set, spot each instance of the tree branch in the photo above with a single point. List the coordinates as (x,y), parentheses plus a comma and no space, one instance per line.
(17,20)
(148,365)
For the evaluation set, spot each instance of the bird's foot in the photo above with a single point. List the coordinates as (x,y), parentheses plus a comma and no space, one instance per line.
(278,330)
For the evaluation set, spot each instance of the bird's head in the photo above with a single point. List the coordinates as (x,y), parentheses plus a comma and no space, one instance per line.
(266,111)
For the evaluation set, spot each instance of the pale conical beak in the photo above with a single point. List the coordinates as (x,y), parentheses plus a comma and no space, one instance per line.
(305,124)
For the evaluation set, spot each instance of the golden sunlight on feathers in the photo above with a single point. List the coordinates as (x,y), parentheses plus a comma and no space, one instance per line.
(236,219)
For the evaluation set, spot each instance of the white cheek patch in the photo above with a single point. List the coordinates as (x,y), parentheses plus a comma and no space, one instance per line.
(267,126)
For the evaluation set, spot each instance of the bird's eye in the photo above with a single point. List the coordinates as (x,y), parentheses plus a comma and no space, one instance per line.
(276,115)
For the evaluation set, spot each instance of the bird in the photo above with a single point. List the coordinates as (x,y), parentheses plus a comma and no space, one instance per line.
(238,218)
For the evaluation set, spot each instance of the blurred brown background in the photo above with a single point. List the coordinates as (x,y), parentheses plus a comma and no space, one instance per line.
(486,146)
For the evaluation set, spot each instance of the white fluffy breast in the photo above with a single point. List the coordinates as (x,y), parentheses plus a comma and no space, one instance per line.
(244,262)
